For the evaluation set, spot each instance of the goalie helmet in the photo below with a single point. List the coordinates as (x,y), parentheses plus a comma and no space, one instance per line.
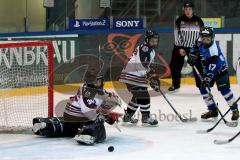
(92,79)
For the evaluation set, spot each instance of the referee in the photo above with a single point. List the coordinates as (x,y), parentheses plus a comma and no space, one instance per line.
(186,32)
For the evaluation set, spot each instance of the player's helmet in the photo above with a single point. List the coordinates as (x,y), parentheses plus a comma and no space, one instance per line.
(151,34)
(207,32)
(91,77)
(188,4)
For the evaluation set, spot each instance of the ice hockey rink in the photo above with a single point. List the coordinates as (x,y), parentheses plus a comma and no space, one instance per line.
(170,140)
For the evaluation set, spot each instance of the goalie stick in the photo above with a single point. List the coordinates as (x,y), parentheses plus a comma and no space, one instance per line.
(116,122)
(193,119)
(229,124)
(212,128)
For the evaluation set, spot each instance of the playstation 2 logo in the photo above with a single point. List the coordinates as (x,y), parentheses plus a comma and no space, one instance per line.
(77,24)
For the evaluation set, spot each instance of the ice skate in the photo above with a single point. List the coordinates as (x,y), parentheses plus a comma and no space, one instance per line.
(211,115)
(149,121)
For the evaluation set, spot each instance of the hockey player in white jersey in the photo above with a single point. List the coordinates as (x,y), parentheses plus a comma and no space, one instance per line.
(136,75)
(84,114)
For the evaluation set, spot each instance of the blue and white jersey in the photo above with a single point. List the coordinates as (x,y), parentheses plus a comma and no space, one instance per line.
(214,60)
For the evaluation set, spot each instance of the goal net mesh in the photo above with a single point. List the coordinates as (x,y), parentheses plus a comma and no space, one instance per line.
(26,83)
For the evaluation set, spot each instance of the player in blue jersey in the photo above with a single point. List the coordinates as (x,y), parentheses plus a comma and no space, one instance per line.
(215,69)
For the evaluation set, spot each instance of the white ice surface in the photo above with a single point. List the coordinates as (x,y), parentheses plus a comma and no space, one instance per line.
(170,140)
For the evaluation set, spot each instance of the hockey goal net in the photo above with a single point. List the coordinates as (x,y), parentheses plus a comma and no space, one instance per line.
(26,83)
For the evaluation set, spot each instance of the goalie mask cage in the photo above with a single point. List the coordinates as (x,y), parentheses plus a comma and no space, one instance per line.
(26,83)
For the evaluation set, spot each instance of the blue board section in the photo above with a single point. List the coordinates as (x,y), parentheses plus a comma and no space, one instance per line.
(106,31)
(89,24)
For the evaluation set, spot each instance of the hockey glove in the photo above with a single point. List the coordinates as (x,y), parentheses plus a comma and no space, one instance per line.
(112,117)
(207,79)
(192,57)
(154,83)
(100,119)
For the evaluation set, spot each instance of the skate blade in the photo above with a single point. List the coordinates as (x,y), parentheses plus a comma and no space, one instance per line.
(85,139)
(193,119)
(174,91)
(128,124)
(37,126)
(201,132)
(220,142)
(232,123)
(149,125)
(215,119)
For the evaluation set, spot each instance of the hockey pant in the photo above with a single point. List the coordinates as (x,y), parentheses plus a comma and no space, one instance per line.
(140,98)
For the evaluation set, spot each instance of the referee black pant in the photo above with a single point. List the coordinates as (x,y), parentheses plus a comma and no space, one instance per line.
(176,65)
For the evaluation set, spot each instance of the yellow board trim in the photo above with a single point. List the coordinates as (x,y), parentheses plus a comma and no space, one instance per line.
(73,87)
(23,91)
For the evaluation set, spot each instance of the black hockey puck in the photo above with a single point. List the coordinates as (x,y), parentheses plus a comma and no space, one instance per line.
(110,149)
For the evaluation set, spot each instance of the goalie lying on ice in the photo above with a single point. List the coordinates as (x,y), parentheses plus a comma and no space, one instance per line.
(84,114)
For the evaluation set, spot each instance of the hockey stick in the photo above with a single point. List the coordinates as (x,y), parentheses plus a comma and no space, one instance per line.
(212,128)
(116,122)
(226,141)
(180,117)
(229,124)
(117,127)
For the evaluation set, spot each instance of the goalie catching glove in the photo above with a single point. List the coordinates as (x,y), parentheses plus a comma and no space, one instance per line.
(110,102)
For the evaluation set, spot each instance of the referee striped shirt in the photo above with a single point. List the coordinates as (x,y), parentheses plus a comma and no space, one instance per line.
(187,30)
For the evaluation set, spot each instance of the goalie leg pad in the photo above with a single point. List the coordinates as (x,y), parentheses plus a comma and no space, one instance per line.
(93,131)
(53,127)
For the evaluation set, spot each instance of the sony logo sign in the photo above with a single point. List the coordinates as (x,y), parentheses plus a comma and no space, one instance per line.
(125,24)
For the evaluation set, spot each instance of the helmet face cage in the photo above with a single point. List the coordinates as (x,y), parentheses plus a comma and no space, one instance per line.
(92,79)
(209,34)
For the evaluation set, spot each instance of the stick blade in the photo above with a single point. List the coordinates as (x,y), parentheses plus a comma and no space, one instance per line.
(201,131)
(193,119)
(232,124)
(219,142)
